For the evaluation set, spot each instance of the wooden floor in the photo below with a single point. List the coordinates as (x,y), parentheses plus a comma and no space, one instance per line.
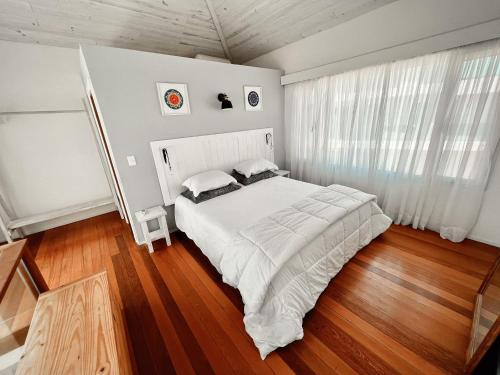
(402,305)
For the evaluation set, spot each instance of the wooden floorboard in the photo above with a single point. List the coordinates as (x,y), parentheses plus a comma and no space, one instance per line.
(145,334)
(402,305)
(197,357)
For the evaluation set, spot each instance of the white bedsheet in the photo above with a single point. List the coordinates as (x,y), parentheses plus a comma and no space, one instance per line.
(213,223)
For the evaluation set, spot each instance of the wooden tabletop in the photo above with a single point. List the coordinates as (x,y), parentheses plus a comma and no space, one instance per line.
(10,255)
(72,331)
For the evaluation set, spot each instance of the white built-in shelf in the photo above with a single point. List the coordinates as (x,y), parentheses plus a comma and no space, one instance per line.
(41,112)
(34,219)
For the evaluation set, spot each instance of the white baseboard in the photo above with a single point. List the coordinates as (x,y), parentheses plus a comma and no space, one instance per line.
(484,240)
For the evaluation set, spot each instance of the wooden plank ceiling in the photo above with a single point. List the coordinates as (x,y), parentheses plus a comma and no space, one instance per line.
(183,28)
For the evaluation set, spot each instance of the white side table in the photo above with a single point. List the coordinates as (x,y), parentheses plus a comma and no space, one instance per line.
(159,213)
(282,173)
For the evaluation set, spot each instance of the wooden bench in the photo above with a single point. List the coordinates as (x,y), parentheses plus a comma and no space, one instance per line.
(77,329)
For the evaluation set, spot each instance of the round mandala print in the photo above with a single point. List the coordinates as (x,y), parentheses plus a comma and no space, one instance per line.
(173,99)
(253,98)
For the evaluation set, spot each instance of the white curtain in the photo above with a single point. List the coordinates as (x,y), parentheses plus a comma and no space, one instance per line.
(421,134)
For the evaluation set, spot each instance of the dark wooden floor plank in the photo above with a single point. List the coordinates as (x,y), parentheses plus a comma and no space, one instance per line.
(295,362)
(436,285)
(356,355)
(191,346)
(332,309)
(467,247)
(144,361)
(199,321)
(416,307)
(310,357)
(443,277)
(146,337)
(225,308)
(33,243)
(415,288)
(437,254)
(190,247)
(402,305)
(221,338)
(390,325)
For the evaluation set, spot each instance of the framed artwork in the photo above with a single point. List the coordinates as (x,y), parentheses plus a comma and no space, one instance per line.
(253,98)
(174,99)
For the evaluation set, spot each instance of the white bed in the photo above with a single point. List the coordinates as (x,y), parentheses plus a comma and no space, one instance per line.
(214,223)
(278,241)
(254,237)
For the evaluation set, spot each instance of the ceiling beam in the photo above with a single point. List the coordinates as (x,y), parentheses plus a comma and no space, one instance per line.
(218,27)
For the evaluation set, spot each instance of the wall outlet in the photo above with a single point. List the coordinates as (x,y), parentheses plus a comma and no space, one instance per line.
(131,161)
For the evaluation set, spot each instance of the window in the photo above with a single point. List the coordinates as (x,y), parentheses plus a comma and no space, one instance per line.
(418,133)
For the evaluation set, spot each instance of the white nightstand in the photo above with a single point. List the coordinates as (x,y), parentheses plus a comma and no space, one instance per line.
(159,213)
(283,173)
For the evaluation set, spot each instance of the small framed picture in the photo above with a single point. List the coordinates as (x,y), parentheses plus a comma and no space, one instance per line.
(174,98)
(253,98)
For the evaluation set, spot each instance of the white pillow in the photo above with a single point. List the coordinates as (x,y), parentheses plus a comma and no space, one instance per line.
(207,181)
(254,166)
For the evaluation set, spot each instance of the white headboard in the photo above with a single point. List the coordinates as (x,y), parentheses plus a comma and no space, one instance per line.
(178,159)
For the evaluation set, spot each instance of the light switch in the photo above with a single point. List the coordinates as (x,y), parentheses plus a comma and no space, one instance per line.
(131,161)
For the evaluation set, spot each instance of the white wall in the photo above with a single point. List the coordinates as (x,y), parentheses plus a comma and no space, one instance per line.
(36,77)
(399,30)
(124,82)
(402,29)
(47,161)
(487,228)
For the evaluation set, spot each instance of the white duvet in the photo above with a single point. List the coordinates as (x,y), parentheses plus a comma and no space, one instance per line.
(283,261)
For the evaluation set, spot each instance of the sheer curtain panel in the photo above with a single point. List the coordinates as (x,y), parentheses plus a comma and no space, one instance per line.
(421,134)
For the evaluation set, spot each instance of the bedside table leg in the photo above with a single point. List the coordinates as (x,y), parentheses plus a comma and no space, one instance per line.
(164,227)
(147,238)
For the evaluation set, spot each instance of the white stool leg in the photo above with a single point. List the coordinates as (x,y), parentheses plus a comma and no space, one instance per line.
(163,225)
(147,238)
